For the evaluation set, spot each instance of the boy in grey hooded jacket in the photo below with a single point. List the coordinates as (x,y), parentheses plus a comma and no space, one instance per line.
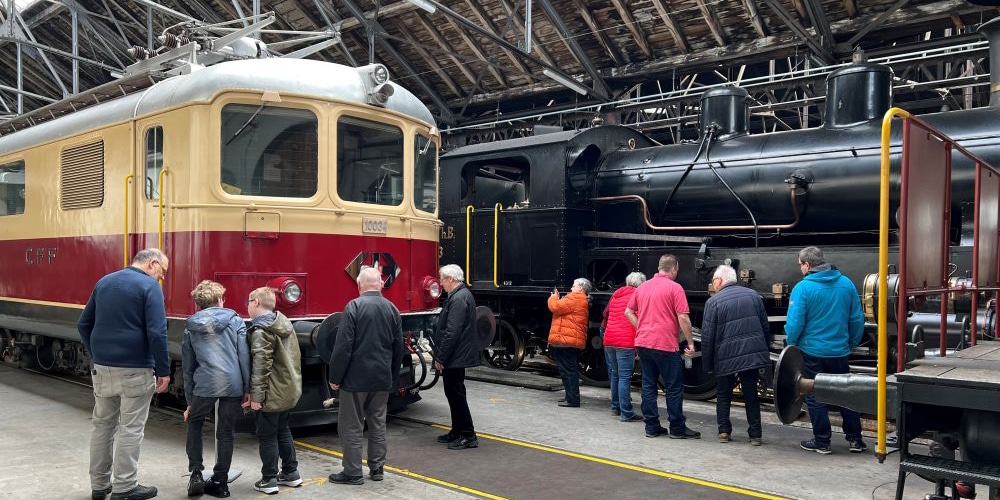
(216,362)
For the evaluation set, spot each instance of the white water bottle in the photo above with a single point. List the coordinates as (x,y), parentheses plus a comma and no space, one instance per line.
(688,363)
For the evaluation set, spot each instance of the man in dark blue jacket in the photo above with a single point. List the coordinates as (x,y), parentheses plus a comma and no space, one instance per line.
(734,345)
(454,351)
(825,321)
(216,361)
(364,367)
(124,330)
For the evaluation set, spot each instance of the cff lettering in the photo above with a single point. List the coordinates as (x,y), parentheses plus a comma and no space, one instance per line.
(40,256)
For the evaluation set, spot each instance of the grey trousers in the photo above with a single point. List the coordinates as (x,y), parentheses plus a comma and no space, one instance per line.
(355,409)
(121,405)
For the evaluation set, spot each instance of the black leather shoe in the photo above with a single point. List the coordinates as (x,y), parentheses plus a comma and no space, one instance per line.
(140,492)
(463,443)
(100,494)
(196,485)
(563,400)
(341,478)
(687,434)
(657,433)
(217,489)
(567,404)
(377,474)
(447,438)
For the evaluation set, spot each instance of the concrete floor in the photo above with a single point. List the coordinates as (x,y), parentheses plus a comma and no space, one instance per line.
(47,428)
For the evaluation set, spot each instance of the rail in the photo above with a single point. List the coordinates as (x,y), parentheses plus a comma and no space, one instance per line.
(496,240)
(929,253)
(468,244)
(128,179)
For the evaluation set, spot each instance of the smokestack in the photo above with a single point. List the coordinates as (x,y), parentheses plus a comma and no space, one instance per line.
(991,32)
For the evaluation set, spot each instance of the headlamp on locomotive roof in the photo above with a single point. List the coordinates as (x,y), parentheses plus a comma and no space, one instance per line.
(375,78)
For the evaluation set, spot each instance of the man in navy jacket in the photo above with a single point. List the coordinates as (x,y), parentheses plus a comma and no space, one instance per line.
(734,345)
(825,321)
(124,330)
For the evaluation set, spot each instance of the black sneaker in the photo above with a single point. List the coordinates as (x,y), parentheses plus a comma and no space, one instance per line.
(341,478)
(217,488)
(567,404)
(634,418)
(811,445)
(377,474)
(686,434)
(447,438)
(196,485)
(657,433)
(857,446)
(267,485)
(463,443)
(140,492)
(100,494)
(292,479)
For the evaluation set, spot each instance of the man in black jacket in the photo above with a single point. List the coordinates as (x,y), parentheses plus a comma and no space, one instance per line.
(364,366)
(734,344)
(454,351)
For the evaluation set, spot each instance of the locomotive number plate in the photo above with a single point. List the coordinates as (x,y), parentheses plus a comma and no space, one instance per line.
(374,226)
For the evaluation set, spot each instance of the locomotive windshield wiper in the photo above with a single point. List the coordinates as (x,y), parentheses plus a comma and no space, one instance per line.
(247,124)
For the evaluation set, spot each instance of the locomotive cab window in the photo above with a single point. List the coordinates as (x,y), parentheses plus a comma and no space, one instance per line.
(503,181)
(425,174)
(154,162)
(369,162)
(269,151)
(12,188)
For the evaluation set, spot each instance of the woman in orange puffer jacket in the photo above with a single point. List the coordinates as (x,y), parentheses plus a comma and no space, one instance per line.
(568,334)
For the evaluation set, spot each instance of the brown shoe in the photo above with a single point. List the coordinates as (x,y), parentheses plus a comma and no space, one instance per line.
(723,437)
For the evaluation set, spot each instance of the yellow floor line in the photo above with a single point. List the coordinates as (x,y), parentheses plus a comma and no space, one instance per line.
(622,465)
(408,473)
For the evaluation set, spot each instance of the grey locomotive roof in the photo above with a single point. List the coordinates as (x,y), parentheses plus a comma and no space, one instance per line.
(300,76)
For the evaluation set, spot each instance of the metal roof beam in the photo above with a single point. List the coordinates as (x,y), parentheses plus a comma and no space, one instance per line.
(612,48)
(601,89)
(819,21)
(816,47)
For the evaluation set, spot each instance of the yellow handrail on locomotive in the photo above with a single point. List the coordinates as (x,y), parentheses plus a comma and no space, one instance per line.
(163,172)
(128,178)
(496,241)
(468,225)
(883,278)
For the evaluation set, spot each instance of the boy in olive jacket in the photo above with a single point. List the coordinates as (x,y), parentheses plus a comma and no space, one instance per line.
(275,388)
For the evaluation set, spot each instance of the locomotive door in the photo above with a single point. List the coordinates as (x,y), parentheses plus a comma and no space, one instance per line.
(148,174)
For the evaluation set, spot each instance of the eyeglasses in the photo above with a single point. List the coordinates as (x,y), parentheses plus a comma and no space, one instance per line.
(164,269)
(251,300)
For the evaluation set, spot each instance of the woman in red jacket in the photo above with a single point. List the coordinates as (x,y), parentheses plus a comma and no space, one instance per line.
(619,349)
(568,334)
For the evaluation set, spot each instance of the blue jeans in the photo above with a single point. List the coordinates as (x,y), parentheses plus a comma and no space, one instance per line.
(668,365)
(621,361)
(567,359)
(819,412)
(748,385)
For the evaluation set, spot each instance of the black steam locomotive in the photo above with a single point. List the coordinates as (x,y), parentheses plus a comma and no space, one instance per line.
(526,214)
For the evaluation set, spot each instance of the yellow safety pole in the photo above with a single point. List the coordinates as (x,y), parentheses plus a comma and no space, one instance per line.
(883,278)
(163,172)
(128,178)
(496,240)
(468,243)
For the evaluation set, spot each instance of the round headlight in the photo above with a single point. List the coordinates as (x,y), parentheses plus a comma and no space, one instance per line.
(434,289)
(380,75)
(292,292)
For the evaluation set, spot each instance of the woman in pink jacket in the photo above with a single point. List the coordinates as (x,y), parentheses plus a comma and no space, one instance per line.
(568,334)
(619,349)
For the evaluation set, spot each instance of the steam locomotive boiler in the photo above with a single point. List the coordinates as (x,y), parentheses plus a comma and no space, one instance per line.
(526,214)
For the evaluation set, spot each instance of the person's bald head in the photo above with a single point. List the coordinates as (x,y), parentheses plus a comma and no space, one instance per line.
(369,280)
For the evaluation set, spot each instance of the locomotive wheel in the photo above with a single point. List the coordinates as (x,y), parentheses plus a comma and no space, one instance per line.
(507,350)
(698,384)
(45,354)
(593,366)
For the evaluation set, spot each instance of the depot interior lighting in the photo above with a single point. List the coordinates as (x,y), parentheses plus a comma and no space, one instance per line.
(424,4)
(565,81)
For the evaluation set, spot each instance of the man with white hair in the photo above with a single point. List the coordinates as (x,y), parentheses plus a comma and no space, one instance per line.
(364,367)
(454,351)
(734,345)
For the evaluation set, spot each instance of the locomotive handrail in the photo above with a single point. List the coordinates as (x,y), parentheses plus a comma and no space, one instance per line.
(128,179)
(649,223)
(163,190)
(468,243)
(496,240)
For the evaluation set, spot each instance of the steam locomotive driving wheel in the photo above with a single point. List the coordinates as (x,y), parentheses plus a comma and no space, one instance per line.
(506,352)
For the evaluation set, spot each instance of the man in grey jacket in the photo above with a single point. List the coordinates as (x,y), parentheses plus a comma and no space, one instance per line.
(216,362)
(364,367)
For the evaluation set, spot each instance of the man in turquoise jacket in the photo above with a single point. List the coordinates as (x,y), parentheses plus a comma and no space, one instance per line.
(825,322)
